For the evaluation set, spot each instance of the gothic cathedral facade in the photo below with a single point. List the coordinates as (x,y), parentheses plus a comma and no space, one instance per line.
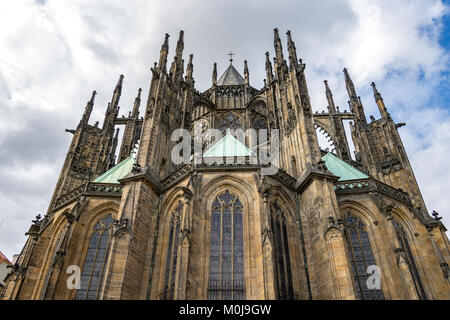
(324,225)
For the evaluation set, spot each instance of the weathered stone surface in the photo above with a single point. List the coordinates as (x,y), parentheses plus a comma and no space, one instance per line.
(312,252)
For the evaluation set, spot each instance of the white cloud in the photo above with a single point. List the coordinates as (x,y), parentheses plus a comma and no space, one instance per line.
(55,52)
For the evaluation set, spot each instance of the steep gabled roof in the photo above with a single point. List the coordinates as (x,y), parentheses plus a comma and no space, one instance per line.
(228,146)
(342,169)
(117,172)
(231,77)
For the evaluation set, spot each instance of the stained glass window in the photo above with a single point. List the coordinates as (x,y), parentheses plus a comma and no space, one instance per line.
(226,261)
(229,121)
(172,253)
(283,274)
(402,238)
(361,257)
(95,262)
(259,123)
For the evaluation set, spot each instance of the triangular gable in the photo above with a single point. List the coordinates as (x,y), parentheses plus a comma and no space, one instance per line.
(230,77)
(117,172)
(228,146)
(342,169)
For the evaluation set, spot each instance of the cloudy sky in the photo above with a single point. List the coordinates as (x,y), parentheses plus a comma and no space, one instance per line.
(54,53)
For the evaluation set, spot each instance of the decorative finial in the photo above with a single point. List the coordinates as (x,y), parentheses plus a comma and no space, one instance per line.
(37,219)
(231,54)
(436,216)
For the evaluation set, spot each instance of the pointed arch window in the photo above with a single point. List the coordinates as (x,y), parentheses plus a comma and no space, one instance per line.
(403,239)
(172,253)
(229,121)
(361,257)
(283,274)
(95,262)
(259,123)
(226,261)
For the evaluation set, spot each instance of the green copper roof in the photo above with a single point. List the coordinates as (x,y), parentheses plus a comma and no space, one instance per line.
(228,146)
(342,169)
(117,172)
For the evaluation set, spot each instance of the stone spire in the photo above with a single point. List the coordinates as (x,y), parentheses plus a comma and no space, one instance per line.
(177,68)
(355,101)
(180,46)
(350,86)
(278,47)
(246,73)
(380,103)
(137,103)
(189,71)
(269,73)
(214,74)
(117,91)
(163,54)
(293,61)
(88,109)
(113,106)
(329,94)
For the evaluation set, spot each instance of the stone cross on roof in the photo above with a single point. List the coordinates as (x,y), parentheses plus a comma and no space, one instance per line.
(231,54)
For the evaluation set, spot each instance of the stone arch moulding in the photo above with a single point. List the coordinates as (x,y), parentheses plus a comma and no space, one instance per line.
(402,217)
(277,192)
(362,211)
(258,105)
(169,198)
(87,219)
(369,219)
(219,182)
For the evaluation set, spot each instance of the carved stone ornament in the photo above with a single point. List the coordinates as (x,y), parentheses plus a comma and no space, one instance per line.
(187,193)
(185,234)
(266,236)
(334,229)
(121,226)
(291,121)
(391,164)
(381,204)
(264,187)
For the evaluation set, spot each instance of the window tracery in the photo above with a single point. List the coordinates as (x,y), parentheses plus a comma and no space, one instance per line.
(283,273)
(403,240)
(226,261)
(94,265)
(361,257)
(172,253)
